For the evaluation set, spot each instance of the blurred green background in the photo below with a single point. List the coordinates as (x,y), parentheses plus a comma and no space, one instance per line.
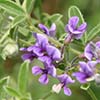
(91,12)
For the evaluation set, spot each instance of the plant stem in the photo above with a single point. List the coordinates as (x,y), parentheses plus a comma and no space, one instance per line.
(92,95)
(18,2)
(34,29)
(46,96)
(75,51)
(4,36)
(25,42)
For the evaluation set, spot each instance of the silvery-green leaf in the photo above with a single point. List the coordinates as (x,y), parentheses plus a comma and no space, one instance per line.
(23,76)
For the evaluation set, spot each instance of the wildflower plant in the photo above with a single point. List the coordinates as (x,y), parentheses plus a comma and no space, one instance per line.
(67,52)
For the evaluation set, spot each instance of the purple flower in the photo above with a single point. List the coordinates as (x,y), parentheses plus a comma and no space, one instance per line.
(92,50)
(52,55)
(28,55)
(64,81)
(50,32)
(36,50)
(48,70)
(40,46)
(48,52)
(73,30)
(42,50)
(53,52)
(41,40)
(86,72)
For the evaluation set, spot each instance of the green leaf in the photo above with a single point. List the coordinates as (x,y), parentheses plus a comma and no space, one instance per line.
(37,9)
(18,2)
(27,97)
(28,5)
(11,91)
(11,7)
(94,32)
(24,31)
(4,81)
(23,76)
(17,20)
(74,11)
(56,17)
(60,31)
(85,86)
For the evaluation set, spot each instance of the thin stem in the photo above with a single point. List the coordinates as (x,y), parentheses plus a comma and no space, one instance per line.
(75,51)
(25,42)
(46,96)
(18,2)
(74,59)
(4,36)
(33,28)
(92,95)
(55,42)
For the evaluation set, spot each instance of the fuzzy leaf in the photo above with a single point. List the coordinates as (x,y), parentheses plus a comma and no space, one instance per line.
(74,11)
(37,9)
(55,17)
(4,81)
(94,32)
(28,5)
(17,20)
(24,31)
(23,76)
(11,91)
(11,7)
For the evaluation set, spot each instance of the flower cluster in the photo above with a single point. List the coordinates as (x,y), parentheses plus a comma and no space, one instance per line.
(51,56)
(46,53)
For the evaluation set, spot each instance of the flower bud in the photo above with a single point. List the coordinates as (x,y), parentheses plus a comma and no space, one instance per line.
(9,50)
(56,88)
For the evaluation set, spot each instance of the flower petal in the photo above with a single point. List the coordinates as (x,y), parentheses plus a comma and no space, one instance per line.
(82,27)
(78,36)
(30,48)
(38,51)
(53,52)
(69,29)
(67,91)
(41,40)
(81,77)
(45,59)
(83,66)
(52,30)
(98,44)
(88,53)
(36,70)
(27,56)
(73,21)
(69,80)
(44,79)
(52,71)
(44,28)
(23,49)
(56,88)
(92,64)
(62,77)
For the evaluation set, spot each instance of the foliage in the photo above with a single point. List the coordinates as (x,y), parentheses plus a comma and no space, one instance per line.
(21,18)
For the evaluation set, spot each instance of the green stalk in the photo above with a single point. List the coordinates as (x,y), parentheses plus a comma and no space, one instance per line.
(4,37)
(33,28)
(75,51)
(46,96)
(25,42)
(92,95)
(18,2)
